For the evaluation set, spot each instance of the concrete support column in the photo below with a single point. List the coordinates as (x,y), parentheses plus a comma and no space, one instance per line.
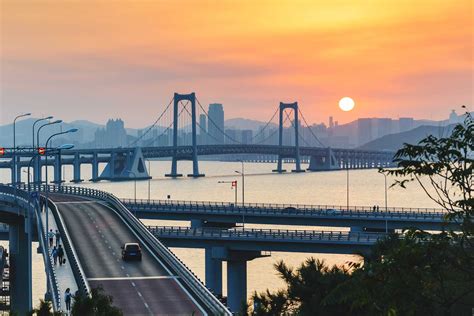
(37,170)
(18,170)
(113,157)
(236,284)
(57,169)
(174,160)
(77,168)
(195,173)
(95,168)
(213,273)
(20,267)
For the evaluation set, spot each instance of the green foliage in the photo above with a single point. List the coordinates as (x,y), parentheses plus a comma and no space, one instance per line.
(98,304)
(45,309)
(444,168)
(415,273)
(307,288)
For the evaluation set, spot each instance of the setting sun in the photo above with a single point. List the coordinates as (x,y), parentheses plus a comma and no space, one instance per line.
(346,104)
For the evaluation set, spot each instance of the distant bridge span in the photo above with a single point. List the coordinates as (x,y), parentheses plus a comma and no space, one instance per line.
(127,163)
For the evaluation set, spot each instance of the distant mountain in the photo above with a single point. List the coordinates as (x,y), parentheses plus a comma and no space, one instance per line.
(394,142)
(241,123)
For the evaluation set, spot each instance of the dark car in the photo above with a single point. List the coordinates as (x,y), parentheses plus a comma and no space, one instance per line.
(131,250)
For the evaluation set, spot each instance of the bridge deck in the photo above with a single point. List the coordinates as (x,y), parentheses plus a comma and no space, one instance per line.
(138,288)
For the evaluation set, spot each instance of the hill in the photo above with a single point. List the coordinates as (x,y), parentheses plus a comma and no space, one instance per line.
(394,142)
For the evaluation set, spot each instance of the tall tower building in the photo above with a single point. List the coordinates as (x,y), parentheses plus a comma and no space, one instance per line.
(364,130)
(203,129)
(215,125)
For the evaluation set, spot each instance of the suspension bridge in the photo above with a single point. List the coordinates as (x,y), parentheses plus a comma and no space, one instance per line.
(177,133)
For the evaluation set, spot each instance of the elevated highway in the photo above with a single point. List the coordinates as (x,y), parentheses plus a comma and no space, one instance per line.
(290,214)
(148,287)
(93,226)
(255,239)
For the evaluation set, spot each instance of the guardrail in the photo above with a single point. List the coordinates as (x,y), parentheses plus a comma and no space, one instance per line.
(290,209)
(77,270)
(26,203)
(3,260)
(48,262)
(266,234)
(187,276)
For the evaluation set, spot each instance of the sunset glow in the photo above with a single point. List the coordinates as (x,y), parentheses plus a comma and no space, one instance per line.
(248,55)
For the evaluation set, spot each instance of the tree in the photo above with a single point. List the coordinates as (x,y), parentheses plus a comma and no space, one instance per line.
(307,287)
(44,309)
(444,169)
(414,273)
(97,304)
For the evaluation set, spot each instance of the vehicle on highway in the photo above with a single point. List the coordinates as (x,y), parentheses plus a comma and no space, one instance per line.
(131,250)
(332,211)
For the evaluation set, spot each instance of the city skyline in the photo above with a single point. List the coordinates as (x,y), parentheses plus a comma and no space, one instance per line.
(416,60)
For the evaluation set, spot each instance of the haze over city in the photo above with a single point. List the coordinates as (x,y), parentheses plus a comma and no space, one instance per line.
(94,59)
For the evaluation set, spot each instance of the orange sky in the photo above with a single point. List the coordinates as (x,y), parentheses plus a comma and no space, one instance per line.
(99,59)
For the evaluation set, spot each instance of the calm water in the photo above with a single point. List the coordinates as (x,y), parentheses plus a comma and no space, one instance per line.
(366,187)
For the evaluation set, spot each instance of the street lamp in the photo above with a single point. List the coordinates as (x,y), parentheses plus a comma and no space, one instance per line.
(135,185)
(386,206)
(149,180)
(242,173)
(347,186)
(72,130)
(34,124)
(14,146)
(38,167)
(234,184)
(65,146)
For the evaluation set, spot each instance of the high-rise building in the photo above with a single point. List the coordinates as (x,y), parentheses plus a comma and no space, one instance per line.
(331,122)
(247,135)
(215,125)
(364,130)
(384,126)
(405,124)
(114,135)
(202,129)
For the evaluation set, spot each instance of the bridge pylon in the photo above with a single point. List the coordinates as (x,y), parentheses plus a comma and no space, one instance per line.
(184,156)
(296,154)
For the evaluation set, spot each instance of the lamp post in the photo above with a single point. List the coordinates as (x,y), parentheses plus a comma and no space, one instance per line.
(386,206)
(135,187)
(347,185)
(234,184)
(242,173)
(72,130)
(34,124)
(14,147)
(149,180)
(38,167)
(65,146)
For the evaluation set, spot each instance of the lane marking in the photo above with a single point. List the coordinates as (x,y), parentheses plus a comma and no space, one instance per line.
(157,277)
(155,256)
(76,202)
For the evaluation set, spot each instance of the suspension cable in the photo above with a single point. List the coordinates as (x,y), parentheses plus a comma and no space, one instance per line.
(268,123)
(150,141)
(153,125)
(218,128)
(310,130)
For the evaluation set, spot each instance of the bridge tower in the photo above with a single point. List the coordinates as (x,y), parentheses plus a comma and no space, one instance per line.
(184,156)
(296,154)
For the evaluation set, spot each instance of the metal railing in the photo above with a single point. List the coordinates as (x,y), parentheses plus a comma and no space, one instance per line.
(282,235)
(76,266)
(189,279)
(28,206)
(287,209)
